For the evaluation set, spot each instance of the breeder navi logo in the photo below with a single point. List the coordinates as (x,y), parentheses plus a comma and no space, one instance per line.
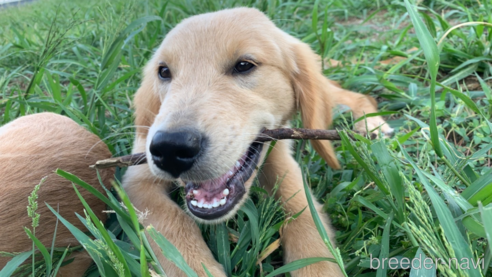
(425,263)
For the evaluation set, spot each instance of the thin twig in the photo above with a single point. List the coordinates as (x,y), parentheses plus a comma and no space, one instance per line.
(266,135)
(123,161)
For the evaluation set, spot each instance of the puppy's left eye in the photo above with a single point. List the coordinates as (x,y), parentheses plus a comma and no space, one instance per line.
(243,67)
(164,72)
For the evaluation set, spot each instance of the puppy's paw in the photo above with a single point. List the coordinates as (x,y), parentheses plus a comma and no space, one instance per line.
(375,124)
(215,271)
(302,240)
(320,269)
(212,266)
(197,263)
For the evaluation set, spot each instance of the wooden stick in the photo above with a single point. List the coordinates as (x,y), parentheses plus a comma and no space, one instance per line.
(300,133)
(123,161)
(266,135)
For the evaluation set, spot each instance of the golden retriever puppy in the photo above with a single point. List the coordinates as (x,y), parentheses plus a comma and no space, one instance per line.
(214,83)
(31,148)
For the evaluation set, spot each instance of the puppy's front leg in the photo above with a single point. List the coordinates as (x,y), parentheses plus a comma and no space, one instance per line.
(300,238)
(149,194)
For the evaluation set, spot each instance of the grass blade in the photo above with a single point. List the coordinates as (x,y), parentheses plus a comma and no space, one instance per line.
(486,213)
(60,262)
(250,210)
(42,249)
(223,247)
(13,264)
(479,190)
(421,271)
(86,241)
(296,265)
(321,228)
(109,241)
(133,218)
(431,53)
(207,271)
(451,231)
(358,158)
(120,41)
(391,172)
(384,255)
(94,191)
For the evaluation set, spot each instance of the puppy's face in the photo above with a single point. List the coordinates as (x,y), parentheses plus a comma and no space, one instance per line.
(213,84)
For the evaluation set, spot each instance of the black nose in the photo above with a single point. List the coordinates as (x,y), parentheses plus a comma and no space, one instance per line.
(175,152)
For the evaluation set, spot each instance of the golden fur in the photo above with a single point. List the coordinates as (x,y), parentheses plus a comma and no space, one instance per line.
(31,148)
(231,110)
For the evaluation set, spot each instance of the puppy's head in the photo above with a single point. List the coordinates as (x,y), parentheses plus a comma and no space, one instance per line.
(214,83)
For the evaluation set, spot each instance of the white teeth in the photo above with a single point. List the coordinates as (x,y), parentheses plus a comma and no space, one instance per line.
(228,179)
(238,164)
(196,192)
(222,201)
(230,173)
(215,204)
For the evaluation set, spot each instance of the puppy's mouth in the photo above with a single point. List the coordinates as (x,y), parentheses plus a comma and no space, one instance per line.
(212,199)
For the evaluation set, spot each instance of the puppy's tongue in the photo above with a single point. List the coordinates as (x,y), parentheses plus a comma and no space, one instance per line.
(213,192)
(212,199)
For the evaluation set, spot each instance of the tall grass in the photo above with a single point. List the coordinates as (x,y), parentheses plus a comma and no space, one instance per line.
(424,193)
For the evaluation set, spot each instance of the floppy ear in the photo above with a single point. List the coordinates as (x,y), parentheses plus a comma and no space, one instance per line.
(147,104)
(311,89)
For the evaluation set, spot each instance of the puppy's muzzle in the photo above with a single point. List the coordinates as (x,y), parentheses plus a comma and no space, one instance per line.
(176,151)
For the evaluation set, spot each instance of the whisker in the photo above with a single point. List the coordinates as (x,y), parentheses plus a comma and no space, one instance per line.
(175,188)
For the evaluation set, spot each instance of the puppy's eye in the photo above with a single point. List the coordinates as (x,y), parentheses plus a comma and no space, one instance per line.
(164,72)
(243,67)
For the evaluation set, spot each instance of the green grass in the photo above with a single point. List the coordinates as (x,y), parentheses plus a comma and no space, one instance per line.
(426,191)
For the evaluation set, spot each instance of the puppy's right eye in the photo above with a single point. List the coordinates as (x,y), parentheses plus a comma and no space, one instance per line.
(243,67)
(164,73)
